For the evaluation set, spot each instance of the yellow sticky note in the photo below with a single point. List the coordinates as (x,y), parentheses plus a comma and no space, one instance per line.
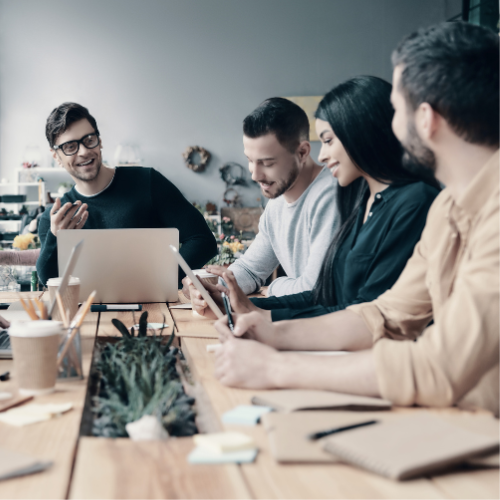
(223,442)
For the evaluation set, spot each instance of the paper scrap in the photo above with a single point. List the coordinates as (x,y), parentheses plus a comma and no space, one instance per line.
(245,414)
(33,413)
(203,456)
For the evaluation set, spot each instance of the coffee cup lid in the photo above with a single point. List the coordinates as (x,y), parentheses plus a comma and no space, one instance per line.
(41,328)
(57,281)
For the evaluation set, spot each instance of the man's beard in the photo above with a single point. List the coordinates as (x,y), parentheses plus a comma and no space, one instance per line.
(284,185)
(417,156)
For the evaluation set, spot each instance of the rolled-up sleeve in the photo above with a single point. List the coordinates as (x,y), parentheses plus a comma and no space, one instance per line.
(449,358)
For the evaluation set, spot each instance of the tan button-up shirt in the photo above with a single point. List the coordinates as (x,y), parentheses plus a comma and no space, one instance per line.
(452,278)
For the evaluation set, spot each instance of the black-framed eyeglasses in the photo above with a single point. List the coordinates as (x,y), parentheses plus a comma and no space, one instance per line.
(70,148)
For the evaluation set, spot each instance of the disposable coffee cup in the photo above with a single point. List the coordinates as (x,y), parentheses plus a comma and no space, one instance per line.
(34,349)
(205,277)
(69,297)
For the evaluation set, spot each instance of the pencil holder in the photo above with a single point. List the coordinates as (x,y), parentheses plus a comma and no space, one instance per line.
(70,366)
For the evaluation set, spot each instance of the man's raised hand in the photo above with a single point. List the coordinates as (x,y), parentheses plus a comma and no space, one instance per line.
(68,216)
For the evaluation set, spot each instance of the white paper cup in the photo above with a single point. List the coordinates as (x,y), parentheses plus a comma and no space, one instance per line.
(34,348)
(69,297)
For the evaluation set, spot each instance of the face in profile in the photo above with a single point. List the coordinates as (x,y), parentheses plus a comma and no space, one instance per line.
(86,163)
(416,153)
(334,155)
(272,166)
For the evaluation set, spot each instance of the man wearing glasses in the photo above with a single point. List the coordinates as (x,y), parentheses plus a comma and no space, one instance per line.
(107,198)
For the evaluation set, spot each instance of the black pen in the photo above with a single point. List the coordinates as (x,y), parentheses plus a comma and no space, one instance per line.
(227,307)
(318,435)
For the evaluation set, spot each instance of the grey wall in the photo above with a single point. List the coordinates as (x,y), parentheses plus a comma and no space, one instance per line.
(166,74)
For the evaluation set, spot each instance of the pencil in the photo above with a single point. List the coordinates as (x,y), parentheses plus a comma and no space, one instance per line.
(31,313)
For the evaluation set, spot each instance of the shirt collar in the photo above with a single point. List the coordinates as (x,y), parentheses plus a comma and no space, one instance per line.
(388,192)
(482,187)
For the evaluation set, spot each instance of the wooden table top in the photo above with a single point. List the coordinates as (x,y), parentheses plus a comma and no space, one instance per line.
(88,467)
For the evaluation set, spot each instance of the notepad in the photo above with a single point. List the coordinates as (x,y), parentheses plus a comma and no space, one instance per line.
(294,400)
(409,446)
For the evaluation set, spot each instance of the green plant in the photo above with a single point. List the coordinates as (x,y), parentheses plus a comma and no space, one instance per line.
(138,377)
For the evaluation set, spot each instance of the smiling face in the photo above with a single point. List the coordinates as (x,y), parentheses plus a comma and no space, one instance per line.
(86,164)
(271,165)
(404,128)
(334,155)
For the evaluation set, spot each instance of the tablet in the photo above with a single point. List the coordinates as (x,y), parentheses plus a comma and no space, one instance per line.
(196,282)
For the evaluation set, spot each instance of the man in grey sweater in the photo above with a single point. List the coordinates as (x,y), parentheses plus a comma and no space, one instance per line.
(297,226)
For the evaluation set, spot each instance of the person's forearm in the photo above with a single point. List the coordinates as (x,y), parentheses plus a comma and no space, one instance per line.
(338,331)
(353,373)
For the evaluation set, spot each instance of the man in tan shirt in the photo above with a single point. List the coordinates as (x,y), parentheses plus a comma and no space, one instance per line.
(445,96)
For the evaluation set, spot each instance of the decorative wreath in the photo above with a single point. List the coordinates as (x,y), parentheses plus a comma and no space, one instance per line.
(231,197)
(188,158)
(233,174)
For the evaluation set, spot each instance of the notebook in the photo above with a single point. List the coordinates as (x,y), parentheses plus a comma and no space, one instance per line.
(409,446)
(288,432)
(294,400)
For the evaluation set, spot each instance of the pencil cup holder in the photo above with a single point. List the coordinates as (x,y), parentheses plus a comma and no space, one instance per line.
(70,366)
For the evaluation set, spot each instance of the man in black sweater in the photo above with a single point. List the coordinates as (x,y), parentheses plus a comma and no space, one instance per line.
(105,198)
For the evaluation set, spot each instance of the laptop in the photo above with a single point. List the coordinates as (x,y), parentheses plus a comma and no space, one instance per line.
(124,265)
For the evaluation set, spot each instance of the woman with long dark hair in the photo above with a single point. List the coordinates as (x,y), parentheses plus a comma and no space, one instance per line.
(382,206)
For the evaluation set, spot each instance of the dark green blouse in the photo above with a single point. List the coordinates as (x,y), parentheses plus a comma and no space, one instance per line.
(372,256)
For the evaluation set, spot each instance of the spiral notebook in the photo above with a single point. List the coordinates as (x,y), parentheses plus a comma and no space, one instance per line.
(409,446)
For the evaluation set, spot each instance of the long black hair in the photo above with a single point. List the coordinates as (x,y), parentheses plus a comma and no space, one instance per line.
(360,114)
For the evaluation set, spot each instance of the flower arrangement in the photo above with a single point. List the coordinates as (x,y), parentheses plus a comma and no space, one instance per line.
(28,241)
(230,247)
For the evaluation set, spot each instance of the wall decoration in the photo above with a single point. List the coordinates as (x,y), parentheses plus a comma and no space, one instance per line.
(189,155)
(233,174)
(309,105)
(231,197)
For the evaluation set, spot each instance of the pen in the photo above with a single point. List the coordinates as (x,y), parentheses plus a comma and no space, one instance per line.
(227,307)
(335,430)
(115,307)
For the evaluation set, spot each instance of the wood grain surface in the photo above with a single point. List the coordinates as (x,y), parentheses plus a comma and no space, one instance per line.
(54,440)
(268,479)
(122,468)
(188,325)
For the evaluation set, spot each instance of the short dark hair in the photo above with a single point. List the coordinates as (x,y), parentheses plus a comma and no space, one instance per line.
(63,116)
(454,67)
(280,117)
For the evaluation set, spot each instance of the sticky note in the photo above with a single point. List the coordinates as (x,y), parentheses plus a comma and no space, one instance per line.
(204,456)
(245,414)
(223,442)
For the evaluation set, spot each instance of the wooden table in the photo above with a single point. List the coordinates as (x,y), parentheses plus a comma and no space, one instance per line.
(121,468)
